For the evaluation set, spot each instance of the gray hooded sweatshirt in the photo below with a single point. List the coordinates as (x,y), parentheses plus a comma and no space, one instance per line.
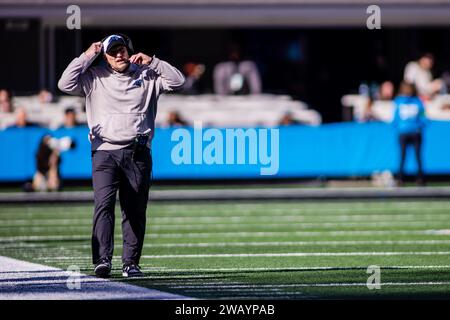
(119,105)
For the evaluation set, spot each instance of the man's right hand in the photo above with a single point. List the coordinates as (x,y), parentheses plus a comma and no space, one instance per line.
(95,48)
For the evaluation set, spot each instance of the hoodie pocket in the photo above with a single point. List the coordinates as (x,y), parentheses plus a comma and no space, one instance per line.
(121,128)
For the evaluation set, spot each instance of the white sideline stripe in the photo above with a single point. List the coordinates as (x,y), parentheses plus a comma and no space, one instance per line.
(286,233)
(299,225)
(237,234)
(295,268)
(153,223)
(239,219)
(272,243)
(292,243)
(295,254)
(311,268)
(300,205)
(258,287)
(253,212)
(21,280)
(285,254)
(302,217)
(219,226)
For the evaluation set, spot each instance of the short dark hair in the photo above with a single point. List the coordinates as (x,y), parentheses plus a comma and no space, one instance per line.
(428,55)
(8,92)
(407,88)
(69,110)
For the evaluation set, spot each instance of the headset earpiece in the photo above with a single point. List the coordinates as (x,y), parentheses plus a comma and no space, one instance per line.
(129,43)
(103,49)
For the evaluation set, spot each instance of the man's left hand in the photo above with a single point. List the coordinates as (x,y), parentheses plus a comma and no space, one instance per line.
(140,58)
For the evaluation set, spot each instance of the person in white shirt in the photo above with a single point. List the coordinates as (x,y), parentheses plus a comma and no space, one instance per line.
(236,76)
(419,74)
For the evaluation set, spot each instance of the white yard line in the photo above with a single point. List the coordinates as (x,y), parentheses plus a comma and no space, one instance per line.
(238,234)
(227,226)
(284,254)
(292,243)
(285,234)
(30,281)
(258,244)
(281,269)
(295,254)
(237,219)
(253,209)
(244,244)
(297,225)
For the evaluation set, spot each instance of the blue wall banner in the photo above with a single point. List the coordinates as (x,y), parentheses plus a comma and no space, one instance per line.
(330,150)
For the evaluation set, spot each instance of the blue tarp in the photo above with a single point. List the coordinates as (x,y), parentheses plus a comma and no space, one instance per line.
(330,150)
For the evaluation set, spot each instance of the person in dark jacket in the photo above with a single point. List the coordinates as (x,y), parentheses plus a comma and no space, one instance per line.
(409,120)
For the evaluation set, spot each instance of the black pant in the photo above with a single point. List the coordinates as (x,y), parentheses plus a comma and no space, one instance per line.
(116,170)
(414,139)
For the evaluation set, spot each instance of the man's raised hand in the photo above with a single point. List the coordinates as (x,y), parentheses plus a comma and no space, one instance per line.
(95,48)
(140,58)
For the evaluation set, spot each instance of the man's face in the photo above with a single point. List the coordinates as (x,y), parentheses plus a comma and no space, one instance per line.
(426,63)
(117,58)
(4,96)
(70,119)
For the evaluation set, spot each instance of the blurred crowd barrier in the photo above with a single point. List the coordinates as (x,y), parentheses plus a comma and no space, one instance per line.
(330,150)
(211,110)
(362,109)
(236,111)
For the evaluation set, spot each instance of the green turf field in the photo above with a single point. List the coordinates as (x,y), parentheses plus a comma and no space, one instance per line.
(266,250)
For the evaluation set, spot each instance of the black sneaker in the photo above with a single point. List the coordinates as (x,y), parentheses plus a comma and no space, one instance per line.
(103,268)
(131,270)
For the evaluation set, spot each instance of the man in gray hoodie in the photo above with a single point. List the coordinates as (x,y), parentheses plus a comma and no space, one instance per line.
(121,104)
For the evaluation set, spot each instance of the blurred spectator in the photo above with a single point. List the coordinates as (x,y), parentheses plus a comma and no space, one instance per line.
(6,105)
(368,114)
(21,120)
(70,118)
(47,165)
(45,96)
(236,76)
(409,120)
(42,101)
(48,160)
(419,74)
(386,91)
(194,75)
(446,81)
(174,120)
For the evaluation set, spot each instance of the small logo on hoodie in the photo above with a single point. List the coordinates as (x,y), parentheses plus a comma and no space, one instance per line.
(137,83)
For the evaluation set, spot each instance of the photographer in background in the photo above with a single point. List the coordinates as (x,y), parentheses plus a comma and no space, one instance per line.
(236,76)
(48,161)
